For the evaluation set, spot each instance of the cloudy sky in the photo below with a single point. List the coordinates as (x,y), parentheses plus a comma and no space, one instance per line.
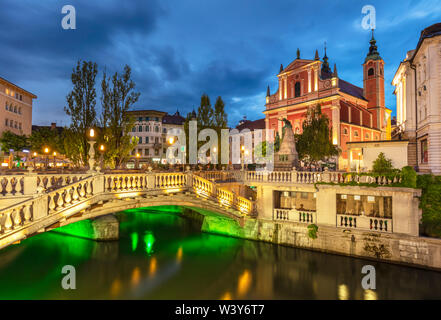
(179,49)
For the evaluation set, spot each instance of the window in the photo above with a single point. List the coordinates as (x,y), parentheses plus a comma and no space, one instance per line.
(21,98)
(355,133)
(424,151)
(139,118)
(140,129)
(19,110)
(297,89)
(156,152)
(366,135)
(146,139)
(15,109)
(6,122)
(371,72)
(156,140)
(164,130)
(156,119)
(134,129)
(164,151)
(147,128)
(156,129)
(146,152)
(6,106)
(345,131)
(16,95)
(140,140)
(15,125)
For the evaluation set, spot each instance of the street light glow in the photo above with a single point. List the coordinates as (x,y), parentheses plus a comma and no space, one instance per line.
(46,150)
(92,133)
(102,147)
(171,140)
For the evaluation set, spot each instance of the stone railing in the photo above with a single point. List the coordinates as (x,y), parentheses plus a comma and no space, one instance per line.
(221,175)
(49,205)
(208,189)
(294,215)
(306,177)
(364,222)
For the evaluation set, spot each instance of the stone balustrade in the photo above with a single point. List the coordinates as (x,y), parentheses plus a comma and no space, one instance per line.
(294,215)
(364,222)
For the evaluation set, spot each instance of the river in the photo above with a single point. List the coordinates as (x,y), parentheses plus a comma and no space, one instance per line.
(161,255)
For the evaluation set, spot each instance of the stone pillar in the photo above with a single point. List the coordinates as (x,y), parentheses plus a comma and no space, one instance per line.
(150,180)
(105,228)
(265,202)
(30,184)
(326,204)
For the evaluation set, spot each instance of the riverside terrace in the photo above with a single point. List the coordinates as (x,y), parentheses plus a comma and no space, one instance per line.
(371,218)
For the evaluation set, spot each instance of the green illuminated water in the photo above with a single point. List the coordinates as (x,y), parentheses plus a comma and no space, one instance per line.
(162,255)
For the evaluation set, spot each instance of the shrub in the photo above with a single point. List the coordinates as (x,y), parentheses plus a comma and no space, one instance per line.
(312,231)
(409,177)
(382,165)
(430,203)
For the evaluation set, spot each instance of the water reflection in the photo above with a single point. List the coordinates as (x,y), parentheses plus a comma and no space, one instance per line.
(163,256)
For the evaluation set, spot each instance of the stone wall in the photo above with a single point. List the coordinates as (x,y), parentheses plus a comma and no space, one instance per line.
(396,248)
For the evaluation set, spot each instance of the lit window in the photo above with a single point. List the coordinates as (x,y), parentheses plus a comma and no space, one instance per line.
(345,131)
(355,133)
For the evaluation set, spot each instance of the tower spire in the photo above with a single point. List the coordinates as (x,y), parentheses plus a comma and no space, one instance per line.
(373,53)
(335,70)
(325,65)
(268,92)
(316,55)
(298,53)
(281,68)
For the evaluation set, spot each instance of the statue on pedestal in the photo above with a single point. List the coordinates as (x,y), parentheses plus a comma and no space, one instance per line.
(287,157)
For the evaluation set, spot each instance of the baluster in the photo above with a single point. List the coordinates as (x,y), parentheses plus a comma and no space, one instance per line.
(124,183)
(68,197)
(89,187)
(381,225)
(17,217)
(60,200)
(8,220)
(52,202)
(370,224)
(129,183)
(117,183)
(18,187)
(27,213)
(75,194)
(49,183)
(82,192)
(8,186)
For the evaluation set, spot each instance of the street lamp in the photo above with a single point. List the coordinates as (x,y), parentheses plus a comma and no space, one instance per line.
(55,159)
(34,156)
(46,151)
(102,149)
(92,137)
(137,160)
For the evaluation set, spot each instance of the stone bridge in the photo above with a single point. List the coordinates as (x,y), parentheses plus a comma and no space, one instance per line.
(33,203)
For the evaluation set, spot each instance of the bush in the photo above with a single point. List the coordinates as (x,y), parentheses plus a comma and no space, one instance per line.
(382,165)
(430,203)
(408,177)
(312,231)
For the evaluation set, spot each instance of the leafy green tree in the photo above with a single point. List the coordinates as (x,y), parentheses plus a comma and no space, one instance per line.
(382,165)
(80,107)
(9,140)
(46,137)
(430,204)
(220,117)
(315,143)
(118,96)
(277,142)
(205,112)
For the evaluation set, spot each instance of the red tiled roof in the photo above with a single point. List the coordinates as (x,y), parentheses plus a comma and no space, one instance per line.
(252,125)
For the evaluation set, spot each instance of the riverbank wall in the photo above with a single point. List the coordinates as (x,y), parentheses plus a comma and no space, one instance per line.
(387,247)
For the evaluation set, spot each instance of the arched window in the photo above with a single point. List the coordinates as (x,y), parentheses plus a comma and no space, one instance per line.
(371,72)
(345,131)
(355,133)
(15,109)
(297,89)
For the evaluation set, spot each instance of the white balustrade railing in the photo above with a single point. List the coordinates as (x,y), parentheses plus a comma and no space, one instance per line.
(295,215)
(124,182)
(364,222)
(11,185)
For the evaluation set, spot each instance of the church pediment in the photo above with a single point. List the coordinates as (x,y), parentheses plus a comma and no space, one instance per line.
(296,64)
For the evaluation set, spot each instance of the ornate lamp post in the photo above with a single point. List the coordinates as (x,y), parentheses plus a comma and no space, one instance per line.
(171,140)
(137,160)
(55,159)
(34,156)
(102,149)
(46,151)
(92,137)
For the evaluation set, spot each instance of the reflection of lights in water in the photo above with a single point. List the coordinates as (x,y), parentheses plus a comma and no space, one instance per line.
(136,276)
(152,266)
(115,288)
(343,292)
(149,240)
(179,254)
(134,237)
(226,296)
(244,283)
(370,295)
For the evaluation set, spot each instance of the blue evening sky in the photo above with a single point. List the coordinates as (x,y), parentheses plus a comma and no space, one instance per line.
(179,49)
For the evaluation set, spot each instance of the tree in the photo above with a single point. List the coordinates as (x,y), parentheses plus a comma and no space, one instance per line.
(205,112)
(315,143)
(220,117)
(46,137)
(9,140)
(80,107)
(382,165)
(118,96)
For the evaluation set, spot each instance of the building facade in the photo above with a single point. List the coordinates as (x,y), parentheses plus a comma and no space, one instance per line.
(16,108)
(356,114)
(151,127)
(417,84)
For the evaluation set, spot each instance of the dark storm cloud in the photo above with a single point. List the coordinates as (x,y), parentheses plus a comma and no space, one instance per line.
(181,49)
